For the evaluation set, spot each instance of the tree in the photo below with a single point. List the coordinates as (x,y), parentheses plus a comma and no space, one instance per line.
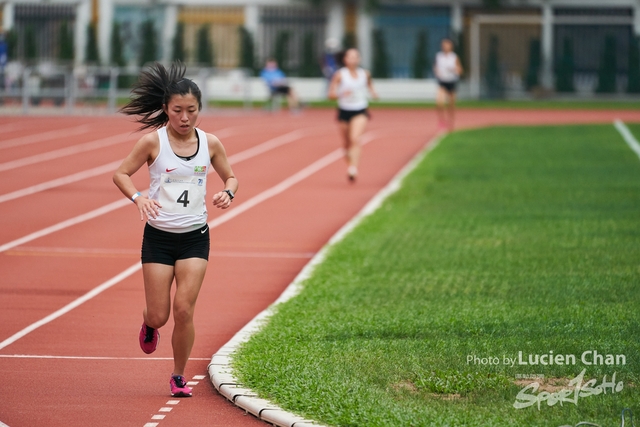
(607,70)
(421,56)
(309,66)
(349,40)
(66,42)
(12,45)
(247,50)
(492,4)
(204,49)
(117,57)
(149,48)
(633,85)
(30,44)
(533,72)
(281,50)
(495,88)
(381,61)
(458,39)
(91,55)
(179,53)
(564,69)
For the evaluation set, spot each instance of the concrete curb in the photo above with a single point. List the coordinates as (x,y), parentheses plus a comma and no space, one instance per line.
(220,370)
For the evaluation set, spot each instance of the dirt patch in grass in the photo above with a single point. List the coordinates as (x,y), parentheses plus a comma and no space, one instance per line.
(405,386)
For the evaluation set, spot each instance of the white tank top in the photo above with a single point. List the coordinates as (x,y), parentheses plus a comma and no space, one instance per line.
(447,67)
(352,93)
(179,185)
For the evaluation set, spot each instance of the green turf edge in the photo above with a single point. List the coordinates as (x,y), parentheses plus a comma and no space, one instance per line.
(425,380)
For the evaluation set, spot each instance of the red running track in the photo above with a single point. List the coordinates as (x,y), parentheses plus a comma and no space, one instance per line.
(84,367)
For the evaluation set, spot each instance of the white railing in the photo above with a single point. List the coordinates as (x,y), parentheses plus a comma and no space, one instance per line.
(29,86)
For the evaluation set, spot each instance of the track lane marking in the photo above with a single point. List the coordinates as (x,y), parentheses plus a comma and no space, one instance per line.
(104,252)
(69,179)
(227,216)
(233,159)
(628,137)
(48,356)
(58,182)
(13,127)
(66,151)
(44,136)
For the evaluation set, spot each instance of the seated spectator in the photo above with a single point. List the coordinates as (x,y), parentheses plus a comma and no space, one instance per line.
(277,82)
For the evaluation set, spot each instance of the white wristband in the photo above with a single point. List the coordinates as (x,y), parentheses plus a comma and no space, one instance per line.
(133,198)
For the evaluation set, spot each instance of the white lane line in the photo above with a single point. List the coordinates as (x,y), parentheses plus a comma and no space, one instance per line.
(99,170)
(269,145)
(40,249)
(47,356)
(65,224)
(67,151)
(3,424)
(52,251)
(628,137)
(67,308)
(45,136)
(233,159)
(227,216)
(12,127)
(69,179)
(158,417)
(165,409)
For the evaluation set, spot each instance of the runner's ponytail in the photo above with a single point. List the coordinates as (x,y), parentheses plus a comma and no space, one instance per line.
(155,87)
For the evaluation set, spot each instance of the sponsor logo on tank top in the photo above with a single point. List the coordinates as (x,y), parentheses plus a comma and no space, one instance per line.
(199,170)
(170,170)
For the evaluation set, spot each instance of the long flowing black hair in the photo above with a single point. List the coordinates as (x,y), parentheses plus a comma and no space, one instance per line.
(155,87)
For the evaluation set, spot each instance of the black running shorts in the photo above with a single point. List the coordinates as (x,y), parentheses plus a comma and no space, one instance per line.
(162,247)
(347,115)
(449,87)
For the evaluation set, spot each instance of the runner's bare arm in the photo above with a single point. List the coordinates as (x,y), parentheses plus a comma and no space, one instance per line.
(373,92)
(459,68)
(333,86)
(144,151)
(221,165)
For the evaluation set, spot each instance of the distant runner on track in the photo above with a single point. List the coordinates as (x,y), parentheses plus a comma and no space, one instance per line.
(176,241)
(349,86)
(447,70)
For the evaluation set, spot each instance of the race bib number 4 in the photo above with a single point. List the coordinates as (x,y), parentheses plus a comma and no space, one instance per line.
(182,194)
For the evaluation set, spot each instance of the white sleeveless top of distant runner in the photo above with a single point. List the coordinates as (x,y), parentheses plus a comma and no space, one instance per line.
(179,185)
(447,67)
(357,88)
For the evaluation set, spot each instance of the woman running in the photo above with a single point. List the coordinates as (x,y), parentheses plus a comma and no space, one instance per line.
(448,70)
(175,244)
(349,86)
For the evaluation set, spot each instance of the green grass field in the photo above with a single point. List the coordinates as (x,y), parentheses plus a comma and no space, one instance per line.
(503,240)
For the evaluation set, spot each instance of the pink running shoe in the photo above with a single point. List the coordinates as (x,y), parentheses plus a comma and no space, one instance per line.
(149,339)
(179,386)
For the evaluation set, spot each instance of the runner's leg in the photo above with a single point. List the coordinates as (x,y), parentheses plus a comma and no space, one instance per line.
(189,276)
(356,129)
(157,291)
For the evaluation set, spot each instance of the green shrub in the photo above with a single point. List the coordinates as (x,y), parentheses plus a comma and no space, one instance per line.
(381,62)
(607,70)
(421,56)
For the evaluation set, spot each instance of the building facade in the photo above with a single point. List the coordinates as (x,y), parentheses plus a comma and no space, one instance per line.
(523,42)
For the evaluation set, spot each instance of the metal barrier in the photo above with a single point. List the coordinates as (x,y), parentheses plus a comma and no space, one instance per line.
(27,87)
